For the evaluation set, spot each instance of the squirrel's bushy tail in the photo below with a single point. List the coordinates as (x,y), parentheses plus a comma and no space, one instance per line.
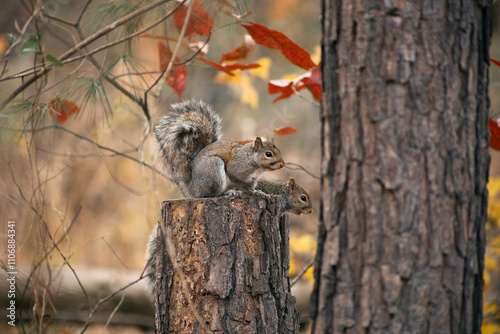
(181,134)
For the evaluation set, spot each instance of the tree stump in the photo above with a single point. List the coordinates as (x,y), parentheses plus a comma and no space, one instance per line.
(225,263)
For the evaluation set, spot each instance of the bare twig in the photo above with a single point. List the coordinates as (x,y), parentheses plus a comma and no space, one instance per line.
(308,99)
(55,126)
(302,272)
(300,167)
(114,312)
(105,299)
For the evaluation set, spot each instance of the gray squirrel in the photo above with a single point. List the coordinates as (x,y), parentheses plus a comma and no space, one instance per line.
(294,200)
(190,151)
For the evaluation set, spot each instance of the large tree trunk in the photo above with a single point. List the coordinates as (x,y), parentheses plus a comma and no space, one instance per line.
(404,169)
(225,263)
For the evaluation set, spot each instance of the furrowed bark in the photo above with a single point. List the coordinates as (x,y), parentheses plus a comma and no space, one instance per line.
(404,167)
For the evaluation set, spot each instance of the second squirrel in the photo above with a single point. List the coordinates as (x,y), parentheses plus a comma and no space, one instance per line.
(199,162)
(294,197)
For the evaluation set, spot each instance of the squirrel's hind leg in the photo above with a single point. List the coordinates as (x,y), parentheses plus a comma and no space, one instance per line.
(208,176)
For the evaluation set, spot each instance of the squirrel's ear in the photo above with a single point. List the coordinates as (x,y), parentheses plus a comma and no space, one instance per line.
(257,143)
(291,184)
(264,137)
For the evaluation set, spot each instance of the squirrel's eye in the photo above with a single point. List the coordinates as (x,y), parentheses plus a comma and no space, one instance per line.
(269,154)
(303,198)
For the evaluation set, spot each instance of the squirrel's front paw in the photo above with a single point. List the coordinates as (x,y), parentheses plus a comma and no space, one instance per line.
(261,194)
(234,192)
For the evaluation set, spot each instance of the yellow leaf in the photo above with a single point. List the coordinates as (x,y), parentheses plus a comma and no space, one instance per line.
(235,79)
(249,94)
(303,244)
(293,267)
(290,76)
(309,275)
(262,71)
(490,308)
(490,262)
(487,279)
(490,329)
(243,85)
(316,56)
(493,186)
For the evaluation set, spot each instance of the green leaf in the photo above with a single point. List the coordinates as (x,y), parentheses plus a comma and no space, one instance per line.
(53,60)
(30,45)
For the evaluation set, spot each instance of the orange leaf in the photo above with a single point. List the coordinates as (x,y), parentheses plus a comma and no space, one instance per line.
(243,142)
(495,134)
(177,77)
(276,40)
(60,110)
(242,52)
(200,22)
(495,62)
(285,131)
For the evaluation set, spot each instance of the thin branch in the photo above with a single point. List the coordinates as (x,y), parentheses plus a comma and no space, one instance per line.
(82,12)
(113,251)
(174,54)
(114,312)
(58,19)
(315,103)
(55,126)
(300,167)
(123,39)
(303,271)
(110,28)
(103,300)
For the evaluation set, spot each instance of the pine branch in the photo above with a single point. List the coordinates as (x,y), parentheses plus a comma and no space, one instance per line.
(81,45)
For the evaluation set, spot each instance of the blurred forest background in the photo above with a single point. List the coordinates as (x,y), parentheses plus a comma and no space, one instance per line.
(100,207)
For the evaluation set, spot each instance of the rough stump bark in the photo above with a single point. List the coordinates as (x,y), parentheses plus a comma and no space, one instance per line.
(224,261)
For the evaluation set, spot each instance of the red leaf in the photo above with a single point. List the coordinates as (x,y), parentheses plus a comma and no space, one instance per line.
(177,77)
(495,134)
(495,62)
(241,52)
(310,80)
(313,83)
(280,86)
(215,65)
(177,80)
(285,131)
(276,40)
(60,110)
(228,69)
(200,22)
